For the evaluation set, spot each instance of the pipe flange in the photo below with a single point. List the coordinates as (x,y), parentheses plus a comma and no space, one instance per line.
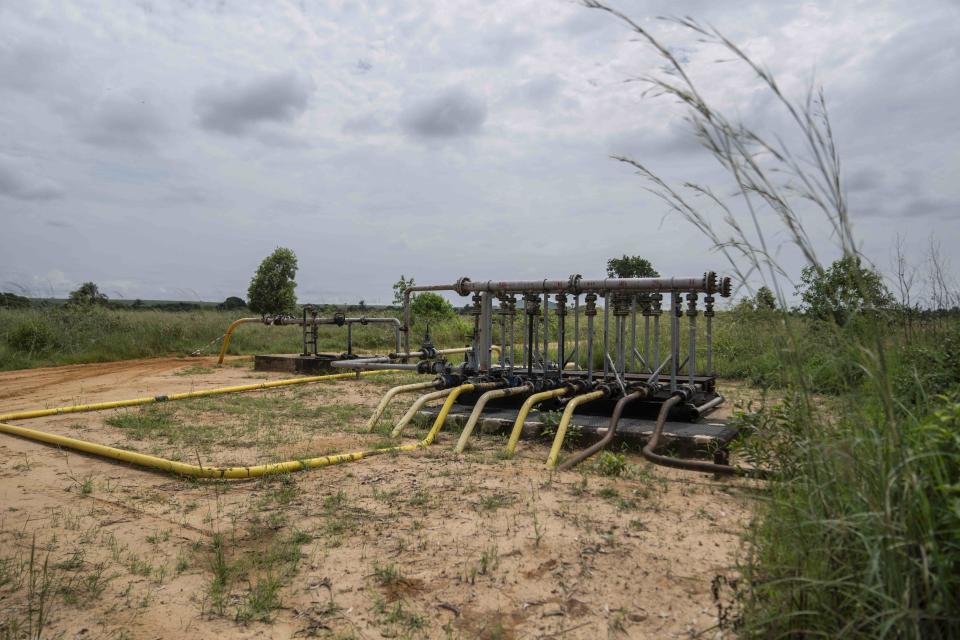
(531,304)
(576,386)
(621,303)
(691,305)
(561,309)
(591,304)
(607,389)
(461,286)
(475,310)
(726,287)
(339,319)
(650,387)
(574,283)
(424,367)
(710,282)
(708,303)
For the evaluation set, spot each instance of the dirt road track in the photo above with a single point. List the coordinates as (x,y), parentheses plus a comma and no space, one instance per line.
(73,383)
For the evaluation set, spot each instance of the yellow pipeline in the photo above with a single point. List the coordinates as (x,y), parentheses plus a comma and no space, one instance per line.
(199,471)
(565,420)
(417,404)
(388,396)
(525,409)
(229,334)
(478,409)
(116,404)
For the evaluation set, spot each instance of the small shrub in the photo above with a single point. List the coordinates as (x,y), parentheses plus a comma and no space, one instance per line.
(611,464)
(31,336)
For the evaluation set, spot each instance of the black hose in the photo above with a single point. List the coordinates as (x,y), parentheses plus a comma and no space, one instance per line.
(692,465)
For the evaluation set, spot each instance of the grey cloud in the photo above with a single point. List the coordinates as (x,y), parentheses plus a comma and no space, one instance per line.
(539,90)
(865,179)
(24,67)
(125,123)
(938,207)
(453,113)
(20,185)
(645,145)
(233,109)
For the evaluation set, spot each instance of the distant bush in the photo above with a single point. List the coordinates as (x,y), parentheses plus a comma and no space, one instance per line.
(13,301)
(31,336)
(232,303)
(87,294)
(430,306)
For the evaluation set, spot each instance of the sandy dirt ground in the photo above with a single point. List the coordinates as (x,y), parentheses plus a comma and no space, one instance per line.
(424,544)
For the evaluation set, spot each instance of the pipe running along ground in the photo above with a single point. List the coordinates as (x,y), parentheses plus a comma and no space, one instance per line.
(525,409)
(479,407)
(388,396)
(572,405)
(692,465)
(197,471)
(579,457)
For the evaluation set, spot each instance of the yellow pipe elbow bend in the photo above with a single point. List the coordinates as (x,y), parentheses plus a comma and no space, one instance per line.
(389,395)
(524,410)
(417,404)
(565,421)
(229,334)
(479,407)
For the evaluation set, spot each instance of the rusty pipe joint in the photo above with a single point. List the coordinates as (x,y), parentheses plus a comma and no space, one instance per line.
(591,304)
(461,286)
(531,304)
(621,303)
(708,304)
(685,392)
(691,305)
(656,304)
(561,309)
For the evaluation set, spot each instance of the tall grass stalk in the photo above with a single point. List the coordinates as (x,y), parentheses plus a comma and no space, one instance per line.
(861,535)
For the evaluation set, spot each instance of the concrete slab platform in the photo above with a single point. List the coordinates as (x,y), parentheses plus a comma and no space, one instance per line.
(685,436)
(295,363)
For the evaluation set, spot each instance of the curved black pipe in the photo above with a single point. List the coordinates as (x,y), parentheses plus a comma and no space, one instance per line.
(577,458)
(691,465)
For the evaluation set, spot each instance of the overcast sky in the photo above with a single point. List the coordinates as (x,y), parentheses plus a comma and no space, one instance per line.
(163,148)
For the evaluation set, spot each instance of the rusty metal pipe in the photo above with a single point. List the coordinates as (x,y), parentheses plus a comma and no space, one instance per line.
(577,458)
(687,465)
(579,285)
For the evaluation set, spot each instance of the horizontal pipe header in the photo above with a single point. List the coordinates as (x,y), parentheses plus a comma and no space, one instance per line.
(575,284)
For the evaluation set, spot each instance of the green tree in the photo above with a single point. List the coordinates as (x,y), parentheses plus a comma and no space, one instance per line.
(842,290)
(630,267)
(13,301)
(430,306)
(232,303)
(271,288)
(87,294)
(399,287)
(764,300)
